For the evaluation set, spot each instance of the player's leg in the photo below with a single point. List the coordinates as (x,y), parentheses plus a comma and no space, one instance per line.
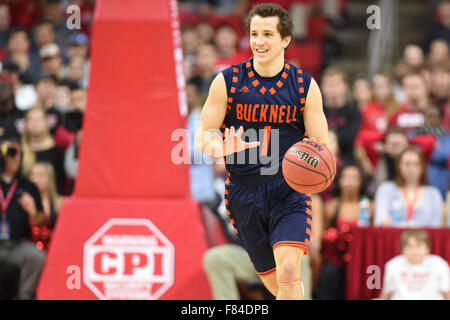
(288,260)
(270,282)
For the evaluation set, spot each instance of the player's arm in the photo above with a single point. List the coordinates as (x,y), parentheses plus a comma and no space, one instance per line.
(315,121)
(207,137)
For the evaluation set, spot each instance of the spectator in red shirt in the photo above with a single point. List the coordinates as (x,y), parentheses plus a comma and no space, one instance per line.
(227,43)
(410,115)
(373,123)
(383,93)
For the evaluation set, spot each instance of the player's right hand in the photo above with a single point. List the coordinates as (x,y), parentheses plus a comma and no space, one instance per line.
(232,141)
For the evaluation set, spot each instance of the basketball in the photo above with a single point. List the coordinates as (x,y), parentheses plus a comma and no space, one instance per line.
(309,167)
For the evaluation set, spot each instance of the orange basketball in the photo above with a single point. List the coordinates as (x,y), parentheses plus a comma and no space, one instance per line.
(309,167)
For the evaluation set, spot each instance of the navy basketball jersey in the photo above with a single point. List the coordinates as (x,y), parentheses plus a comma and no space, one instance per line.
(270,109)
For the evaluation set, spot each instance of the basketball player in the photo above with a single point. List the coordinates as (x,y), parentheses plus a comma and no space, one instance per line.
(273,98)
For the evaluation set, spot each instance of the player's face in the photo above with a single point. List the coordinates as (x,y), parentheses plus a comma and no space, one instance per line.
(415,251)
(265,40)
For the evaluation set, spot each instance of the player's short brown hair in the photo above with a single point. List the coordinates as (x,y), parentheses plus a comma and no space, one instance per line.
(420,235)
(265,10)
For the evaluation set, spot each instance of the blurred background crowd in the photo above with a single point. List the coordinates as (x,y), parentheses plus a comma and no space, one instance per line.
(388,113)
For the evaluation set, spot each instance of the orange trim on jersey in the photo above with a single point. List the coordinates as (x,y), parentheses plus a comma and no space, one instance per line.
(236,230)
(309,221)
(301,90)
(255,82)
(266,273)
(300,80)
(230,99)
(279,84)
(229,213)
(223,126)
(308,231)
(308,202)
(233,89)
(284,75)
(226,202)
(272,91)
(296,244)
(302,100)
(300,71)
(232,221)
(226,191)
(227,181)
(235,79)
(251,74)
(287,66)
(236,70)
(248,64)
(263,90)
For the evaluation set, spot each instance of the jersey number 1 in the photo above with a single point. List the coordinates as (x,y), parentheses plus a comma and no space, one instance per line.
(266,139)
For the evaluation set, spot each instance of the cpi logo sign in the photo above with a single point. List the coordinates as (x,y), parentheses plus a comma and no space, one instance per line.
(128,259)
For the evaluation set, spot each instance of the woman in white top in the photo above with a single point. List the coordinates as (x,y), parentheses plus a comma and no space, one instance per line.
(408,201)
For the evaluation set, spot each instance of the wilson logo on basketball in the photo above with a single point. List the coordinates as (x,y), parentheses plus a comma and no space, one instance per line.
(309,159)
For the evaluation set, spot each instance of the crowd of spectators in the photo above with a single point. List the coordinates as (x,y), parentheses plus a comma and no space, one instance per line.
(390,131)
(44,72)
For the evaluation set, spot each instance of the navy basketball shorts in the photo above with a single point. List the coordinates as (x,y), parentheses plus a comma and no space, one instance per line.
(268,215)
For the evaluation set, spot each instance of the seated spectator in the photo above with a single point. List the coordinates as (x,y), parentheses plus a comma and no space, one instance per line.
(439,53)
(328,193)
(51,60)
(440,29)
(44,33)
(383,93)
(227,43)
(343,208)
(205,32)
(10,116)
(25,205)
(438,167)
(206,59)
(53,11)
(25,94)
(76,72)
(190,40)
(416,274)
(409,200)
(62,99)
(412,61)
(43,176)
(410,115)
(440,90)
(341,212)
(395,141)
(39,145)
(342,115)
(201,168)
(373,124)
(19,46)
(77,46)
(5,23)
